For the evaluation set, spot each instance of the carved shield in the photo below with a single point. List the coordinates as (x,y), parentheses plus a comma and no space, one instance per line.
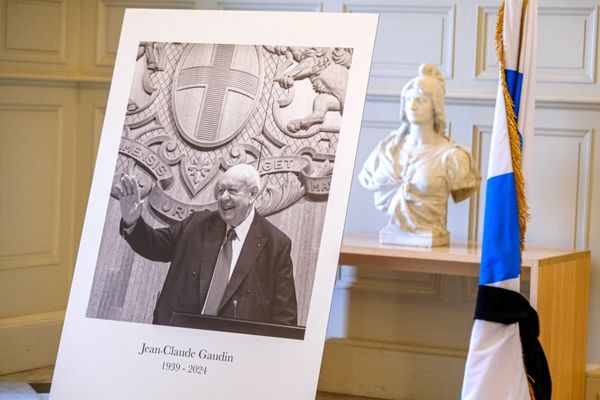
(215,89)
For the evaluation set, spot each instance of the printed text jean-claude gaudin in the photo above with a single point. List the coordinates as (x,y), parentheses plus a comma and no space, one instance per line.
(170,350)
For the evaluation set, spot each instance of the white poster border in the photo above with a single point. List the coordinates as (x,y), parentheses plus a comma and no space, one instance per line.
(99,359)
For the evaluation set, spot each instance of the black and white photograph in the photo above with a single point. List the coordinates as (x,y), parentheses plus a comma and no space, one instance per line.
(221,186)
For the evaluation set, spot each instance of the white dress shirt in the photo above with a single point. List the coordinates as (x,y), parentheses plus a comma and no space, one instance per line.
(236,245)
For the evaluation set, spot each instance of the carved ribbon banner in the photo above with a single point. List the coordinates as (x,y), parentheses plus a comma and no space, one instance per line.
(149,160)
(316,186)
(273,165)
(313,185)
(172,209)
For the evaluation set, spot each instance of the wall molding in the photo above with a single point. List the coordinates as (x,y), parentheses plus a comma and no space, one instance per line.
(586,73)
(29,341)
(29,260)
(584,178)
(583,195)
(578,103)
(388,125)
(483,69)
(51,256)
(395,370)
(447,13)
(269,6)
(71,81)
(592,389)
(57,55)
(32,319)
(399,347)
(104,55)
(475,202)
(475,199)
(470,288)
(487,100)
(390,370)
(99,115)
(388,282)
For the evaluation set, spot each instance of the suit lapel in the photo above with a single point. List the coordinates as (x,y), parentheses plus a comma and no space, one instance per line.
(210,245)
(253,245)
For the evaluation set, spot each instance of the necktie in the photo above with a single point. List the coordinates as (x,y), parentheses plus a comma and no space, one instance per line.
(220,276)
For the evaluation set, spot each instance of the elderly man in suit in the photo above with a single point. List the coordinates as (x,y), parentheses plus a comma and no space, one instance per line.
(230,263)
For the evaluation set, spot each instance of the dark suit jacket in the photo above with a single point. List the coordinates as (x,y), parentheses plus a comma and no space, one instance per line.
(262,283)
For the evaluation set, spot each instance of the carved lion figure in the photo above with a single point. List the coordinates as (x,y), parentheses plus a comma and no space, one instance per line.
(327,69)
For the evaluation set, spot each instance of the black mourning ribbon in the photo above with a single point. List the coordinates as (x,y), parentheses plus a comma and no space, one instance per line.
(509,307)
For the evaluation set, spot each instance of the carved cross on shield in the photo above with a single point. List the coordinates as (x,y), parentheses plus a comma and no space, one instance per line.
(215,89)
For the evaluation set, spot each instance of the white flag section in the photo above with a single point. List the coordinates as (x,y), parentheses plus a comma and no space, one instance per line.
(495,368)
(504,350)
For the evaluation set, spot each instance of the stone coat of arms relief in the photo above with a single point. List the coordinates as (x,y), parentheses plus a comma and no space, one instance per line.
(195,110)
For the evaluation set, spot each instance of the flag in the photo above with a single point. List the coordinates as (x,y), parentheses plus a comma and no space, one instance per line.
(506,360)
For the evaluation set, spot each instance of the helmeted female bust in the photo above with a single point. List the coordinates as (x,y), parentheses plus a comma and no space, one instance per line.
(414,170)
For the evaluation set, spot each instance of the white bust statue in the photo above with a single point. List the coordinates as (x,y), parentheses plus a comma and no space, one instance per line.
(414,170)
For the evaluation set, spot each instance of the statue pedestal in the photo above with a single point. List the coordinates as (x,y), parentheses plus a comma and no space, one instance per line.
(391,234)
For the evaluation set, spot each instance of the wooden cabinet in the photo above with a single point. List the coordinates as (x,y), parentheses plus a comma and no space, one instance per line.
(559,290)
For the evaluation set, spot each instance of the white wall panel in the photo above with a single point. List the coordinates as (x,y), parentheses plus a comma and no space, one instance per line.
(34,31)
(558,190)
(90,118)
(474,217)
(399,55)
(45,287)
(383,370)
(110,18)
(486,64)
(567,44)
(35,335)
(360,198)
(391,282)
(30,171)
(37,153)
(38,38)
(483,137)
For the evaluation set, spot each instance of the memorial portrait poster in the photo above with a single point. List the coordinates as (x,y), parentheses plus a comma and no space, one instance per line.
(196,95)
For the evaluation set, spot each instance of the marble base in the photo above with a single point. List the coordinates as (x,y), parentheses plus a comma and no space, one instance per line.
(391,234)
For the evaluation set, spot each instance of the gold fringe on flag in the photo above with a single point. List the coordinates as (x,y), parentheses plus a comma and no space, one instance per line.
(515,143)
(513,135)
(531,394)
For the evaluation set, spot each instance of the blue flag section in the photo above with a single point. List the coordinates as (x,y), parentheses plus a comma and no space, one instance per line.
(506,360)
(501,256)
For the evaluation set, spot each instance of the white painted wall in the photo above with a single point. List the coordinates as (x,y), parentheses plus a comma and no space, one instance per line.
(433,315)
(56,59)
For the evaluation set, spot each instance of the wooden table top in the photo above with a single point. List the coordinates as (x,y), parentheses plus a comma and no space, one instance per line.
(363,245)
